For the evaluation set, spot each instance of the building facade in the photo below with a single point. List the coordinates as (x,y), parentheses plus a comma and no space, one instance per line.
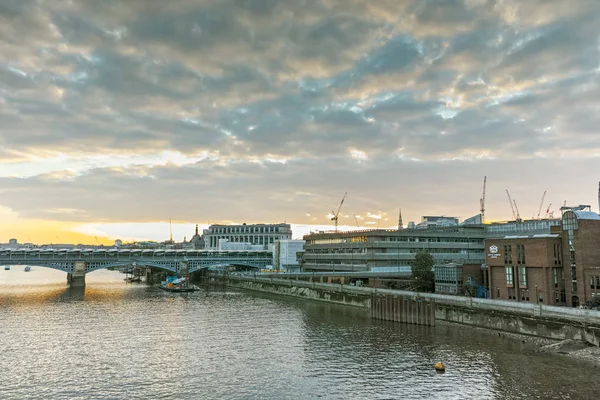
(581,256)
(521,227)
(526,268)
(459,279)
(285,254)
(263,235)
(365,250)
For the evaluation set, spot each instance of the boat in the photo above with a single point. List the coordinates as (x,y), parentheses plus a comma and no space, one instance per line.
(7,267)
(174,284)
(133,279)
(27,268)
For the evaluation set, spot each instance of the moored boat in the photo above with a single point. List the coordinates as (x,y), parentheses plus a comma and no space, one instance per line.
(174,284)
(27,268)
(7,267)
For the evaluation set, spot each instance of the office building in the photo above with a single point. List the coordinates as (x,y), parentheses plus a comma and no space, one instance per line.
(380,248)
(263,235)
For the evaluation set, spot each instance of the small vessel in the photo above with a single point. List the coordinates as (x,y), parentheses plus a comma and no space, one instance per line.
(174,284)
(7,267)
(27,268)
(133,279)
(439,366)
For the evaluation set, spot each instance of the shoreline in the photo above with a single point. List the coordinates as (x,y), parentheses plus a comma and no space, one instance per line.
(570,348)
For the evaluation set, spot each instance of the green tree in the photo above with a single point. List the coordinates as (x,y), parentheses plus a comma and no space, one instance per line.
(422,272)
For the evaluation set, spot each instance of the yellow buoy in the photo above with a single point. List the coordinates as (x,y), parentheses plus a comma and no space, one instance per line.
(439,366)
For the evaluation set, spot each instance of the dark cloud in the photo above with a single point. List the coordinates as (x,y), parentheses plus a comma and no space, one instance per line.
(334,87)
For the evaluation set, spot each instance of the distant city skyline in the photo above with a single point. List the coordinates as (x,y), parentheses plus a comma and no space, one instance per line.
(115,117)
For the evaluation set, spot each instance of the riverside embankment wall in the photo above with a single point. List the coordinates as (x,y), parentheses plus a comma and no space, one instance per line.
(524,318)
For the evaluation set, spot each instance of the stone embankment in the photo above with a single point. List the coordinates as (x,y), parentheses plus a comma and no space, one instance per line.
(533,320)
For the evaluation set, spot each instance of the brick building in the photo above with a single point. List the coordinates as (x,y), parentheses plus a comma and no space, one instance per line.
(526,268)
(581,241)
(560,268)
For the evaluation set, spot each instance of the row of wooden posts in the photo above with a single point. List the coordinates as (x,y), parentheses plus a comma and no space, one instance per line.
(403,309)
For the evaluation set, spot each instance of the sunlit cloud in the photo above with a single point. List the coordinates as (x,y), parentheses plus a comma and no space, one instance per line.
(268,111)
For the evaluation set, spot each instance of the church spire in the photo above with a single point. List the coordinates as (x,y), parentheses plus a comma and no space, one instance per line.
(400,225)
(196,229)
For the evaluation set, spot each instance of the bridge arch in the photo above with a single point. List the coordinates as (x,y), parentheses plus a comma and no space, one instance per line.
(66,267)
(171,266)
(217,266)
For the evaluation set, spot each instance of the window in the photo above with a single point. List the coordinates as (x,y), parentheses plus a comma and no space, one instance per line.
(511,294)
(509,276)
(507,254)
(524,294)
(521,254)
(555,276)
(523,276)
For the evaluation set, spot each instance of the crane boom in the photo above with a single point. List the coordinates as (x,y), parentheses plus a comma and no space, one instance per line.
(548,210)
(482,201)
(541,205)
(510,201)
(517,208)
(335,214)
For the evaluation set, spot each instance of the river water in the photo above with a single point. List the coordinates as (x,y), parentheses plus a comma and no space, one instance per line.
(113,340)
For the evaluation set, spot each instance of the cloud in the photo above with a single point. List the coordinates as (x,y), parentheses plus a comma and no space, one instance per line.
(139,110)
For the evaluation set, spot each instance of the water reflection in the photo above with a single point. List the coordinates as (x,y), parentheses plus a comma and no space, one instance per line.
(113,340)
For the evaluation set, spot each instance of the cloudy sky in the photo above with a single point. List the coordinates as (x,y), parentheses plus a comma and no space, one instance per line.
(118,115)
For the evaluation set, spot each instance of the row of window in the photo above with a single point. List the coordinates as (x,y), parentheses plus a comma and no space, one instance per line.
(408,239)
(255,240)
(522,276)
(247,229)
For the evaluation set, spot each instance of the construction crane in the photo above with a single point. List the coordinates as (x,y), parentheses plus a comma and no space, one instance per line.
(482,201)
(541,205)
(356,219)
(517,209)
(510,201)
(548,211)
(336,214)
(170,232)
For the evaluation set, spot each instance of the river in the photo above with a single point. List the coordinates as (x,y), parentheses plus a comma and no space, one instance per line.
(113,340)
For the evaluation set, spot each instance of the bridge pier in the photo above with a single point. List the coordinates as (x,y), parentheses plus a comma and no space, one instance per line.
(77,277)
(184,269)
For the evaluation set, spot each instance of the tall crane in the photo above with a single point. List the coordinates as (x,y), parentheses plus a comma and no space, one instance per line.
(336,214)
(356,219)
(482,201)
(548,211)
(517,208)
(541,204)
(510,201)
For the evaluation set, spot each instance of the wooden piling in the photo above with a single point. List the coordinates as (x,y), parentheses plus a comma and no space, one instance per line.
(403,309)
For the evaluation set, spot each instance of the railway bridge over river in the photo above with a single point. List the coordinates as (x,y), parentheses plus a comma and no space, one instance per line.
(80,261)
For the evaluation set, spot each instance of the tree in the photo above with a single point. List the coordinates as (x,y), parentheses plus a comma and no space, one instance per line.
(423,279)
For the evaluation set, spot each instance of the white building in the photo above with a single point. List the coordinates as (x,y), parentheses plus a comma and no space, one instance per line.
(225,244)
(257,234)
(284,254)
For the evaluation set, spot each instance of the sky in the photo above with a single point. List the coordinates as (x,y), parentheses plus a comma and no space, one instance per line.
(116,116)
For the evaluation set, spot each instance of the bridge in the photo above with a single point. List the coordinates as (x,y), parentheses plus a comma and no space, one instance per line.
(78,262)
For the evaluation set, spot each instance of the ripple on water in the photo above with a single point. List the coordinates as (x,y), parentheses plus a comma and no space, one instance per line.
(136,342)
